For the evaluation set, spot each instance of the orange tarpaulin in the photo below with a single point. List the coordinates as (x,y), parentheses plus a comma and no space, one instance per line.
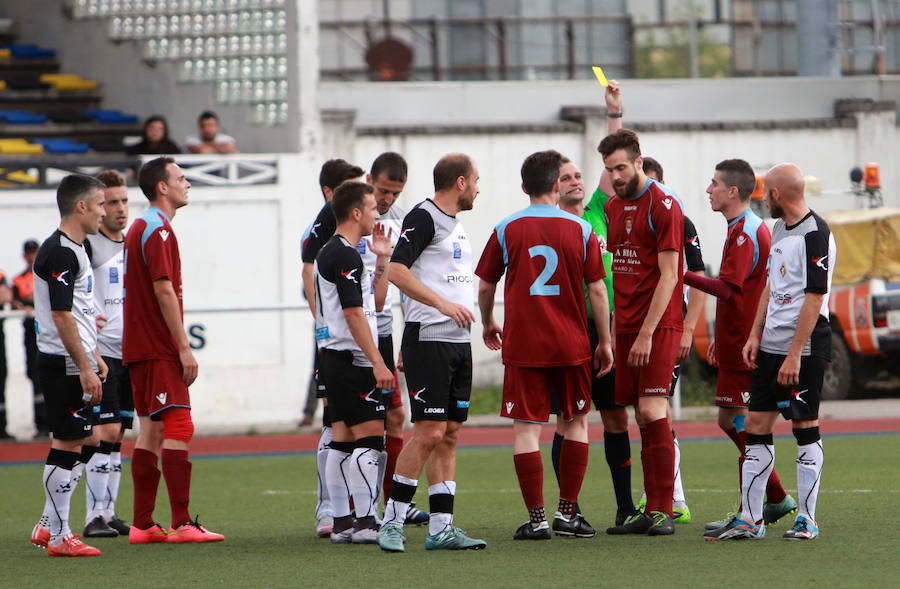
(868,244)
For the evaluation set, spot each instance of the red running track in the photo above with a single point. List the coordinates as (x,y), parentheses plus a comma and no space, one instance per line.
(471,436)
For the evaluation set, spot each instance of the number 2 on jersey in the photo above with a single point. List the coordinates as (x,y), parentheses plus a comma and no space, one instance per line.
(539,287)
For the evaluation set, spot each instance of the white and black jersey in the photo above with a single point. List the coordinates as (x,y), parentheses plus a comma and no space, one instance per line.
(434,246)
(393,221)
(341,282)
(318,234)
(693,256)
(64,281)
(108,262)
(801,260)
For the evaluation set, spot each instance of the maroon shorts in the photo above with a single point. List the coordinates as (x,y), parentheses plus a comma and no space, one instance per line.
(396,399)
(158,385)
(526,391)
(733,388)
(653,380)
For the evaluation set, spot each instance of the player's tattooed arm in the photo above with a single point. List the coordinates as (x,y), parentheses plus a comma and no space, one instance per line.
(380,245)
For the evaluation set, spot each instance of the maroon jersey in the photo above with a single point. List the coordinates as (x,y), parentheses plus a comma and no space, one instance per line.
(744,259)
(638,229)
(547,253)
(151,253)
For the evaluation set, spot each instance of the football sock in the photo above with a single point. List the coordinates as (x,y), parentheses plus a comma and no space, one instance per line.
(530,472)
(440,504)
(678,489)
(363,475)
(555,450)
(97,477)
(145,475)
(573,461)
(77,471)
(661,454)
(739,437)
(57,483)
(758,464)
(176,469)
(810,458)
(617,448)
(775,492)
(392,446)
(323,506)
(115,477)
(402,492)
(338,490)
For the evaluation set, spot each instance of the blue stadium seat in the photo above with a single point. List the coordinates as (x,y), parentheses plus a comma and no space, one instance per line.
(111,116)
(22,117)
(29,52)
(61,146)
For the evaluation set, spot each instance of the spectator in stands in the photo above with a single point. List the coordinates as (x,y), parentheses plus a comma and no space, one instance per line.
(155,140)
(23,300)
(210,139)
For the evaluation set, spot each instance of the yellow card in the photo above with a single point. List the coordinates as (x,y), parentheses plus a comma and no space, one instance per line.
(601,77)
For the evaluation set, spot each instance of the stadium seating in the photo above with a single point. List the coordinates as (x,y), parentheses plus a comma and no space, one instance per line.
(30,52)
(64,145)
(21,117)
(68,82)
(19,147)
(110,116)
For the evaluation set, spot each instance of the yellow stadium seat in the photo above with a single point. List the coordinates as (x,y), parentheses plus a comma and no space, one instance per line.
(5,54)
(18,177)
(19,147)
(68,82)
(2,85)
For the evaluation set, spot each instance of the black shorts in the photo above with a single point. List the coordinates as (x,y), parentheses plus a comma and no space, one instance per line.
(799,402)
(67,416)
(320,386)
(117,405)
(352,395)
(603,389)
(439,377)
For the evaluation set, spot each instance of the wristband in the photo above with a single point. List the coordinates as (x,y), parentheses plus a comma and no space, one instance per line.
(614,115)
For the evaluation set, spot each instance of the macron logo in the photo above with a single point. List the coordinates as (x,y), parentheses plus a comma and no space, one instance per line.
(403,234)
(580,404)
(164,234)
(509,406)
(161,398)
(418,395)
(60,276)
(745,397)
(821,262)
(349,275)
(741,239)
(667,202)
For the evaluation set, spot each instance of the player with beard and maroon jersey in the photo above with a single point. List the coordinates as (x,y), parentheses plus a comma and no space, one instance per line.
(645,236)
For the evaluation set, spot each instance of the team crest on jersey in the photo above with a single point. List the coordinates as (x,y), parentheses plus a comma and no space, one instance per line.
(782,270)
(628,224)
(60,276)
(667,202)
(741,239)
(457,251)
(113,275)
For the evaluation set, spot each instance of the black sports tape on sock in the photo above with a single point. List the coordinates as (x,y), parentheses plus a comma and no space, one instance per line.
(345,447)
(373,442)
(440,503)
(807,435)
(766,439)
(62,458)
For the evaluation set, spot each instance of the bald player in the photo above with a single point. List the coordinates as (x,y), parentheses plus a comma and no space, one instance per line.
(788,348)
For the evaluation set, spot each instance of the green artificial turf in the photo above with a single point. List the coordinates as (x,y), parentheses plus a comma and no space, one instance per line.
(264,505)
